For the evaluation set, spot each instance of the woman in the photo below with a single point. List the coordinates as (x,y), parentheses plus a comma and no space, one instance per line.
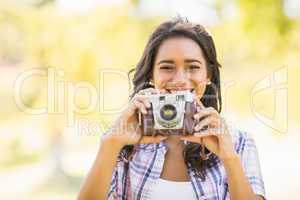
(179,56)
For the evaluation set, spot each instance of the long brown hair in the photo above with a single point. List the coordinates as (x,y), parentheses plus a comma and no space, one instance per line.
(180,27)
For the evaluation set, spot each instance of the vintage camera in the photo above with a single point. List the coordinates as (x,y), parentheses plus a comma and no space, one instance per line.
(170,113)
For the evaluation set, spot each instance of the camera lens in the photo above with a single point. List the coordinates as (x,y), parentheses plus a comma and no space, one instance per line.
(168,112)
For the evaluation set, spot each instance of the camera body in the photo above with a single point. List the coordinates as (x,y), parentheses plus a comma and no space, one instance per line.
(170,113)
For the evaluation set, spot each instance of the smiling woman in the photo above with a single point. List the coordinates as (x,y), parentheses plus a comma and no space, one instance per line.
(218,162)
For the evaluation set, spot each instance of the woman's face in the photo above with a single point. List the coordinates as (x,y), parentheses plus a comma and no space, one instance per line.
(180,65)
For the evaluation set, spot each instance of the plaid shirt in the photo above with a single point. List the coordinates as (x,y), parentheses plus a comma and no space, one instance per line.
(147,163)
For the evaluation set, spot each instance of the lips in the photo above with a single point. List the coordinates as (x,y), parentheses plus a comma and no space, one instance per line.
(172,87)
(173,90)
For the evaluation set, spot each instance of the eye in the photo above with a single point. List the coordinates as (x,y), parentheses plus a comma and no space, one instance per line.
(167,68)
(193,68)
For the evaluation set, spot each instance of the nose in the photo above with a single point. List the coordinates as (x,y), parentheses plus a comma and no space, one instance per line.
(180,77)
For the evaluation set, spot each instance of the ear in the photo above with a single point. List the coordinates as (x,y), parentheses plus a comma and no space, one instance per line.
(208,82)
(151,82)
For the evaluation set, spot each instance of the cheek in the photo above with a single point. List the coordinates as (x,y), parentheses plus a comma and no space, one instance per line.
(200,89)
(199,83)
(160,79)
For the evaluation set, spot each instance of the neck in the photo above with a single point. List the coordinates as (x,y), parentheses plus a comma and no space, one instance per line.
(174,143)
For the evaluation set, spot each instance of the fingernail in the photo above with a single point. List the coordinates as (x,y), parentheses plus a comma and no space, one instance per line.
(144,111)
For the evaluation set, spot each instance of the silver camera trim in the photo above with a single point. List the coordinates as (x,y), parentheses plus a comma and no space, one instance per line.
(177,99)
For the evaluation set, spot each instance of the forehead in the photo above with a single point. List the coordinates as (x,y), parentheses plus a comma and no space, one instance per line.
(179,47)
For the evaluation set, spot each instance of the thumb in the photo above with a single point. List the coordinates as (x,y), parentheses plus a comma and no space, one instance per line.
(199,103)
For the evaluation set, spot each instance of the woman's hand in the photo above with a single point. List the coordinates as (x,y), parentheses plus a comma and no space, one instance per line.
(212,132)
(126,130)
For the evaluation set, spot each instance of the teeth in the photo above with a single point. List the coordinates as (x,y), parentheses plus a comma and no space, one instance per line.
(176,90)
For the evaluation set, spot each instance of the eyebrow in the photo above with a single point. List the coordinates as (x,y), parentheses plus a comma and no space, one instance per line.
(172,62)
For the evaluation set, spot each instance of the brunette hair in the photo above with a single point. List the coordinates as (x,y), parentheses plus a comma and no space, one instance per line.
(180,27)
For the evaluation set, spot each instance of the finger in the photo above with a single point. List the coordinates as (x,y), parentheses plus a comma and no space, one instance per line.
(143,99)
(205,112)
(199,103)
(149,91)
(207,132)
(163,90)
(150,139)
(135,136)
(138,98)
(210,121)
(140,106)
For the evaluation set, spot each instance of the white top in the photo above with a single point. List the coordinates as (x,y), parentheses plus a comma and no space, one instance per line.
(174,190)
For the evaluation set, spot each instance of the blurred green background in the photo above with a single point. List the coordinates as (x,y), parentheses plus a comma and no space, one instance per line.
(82,51)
